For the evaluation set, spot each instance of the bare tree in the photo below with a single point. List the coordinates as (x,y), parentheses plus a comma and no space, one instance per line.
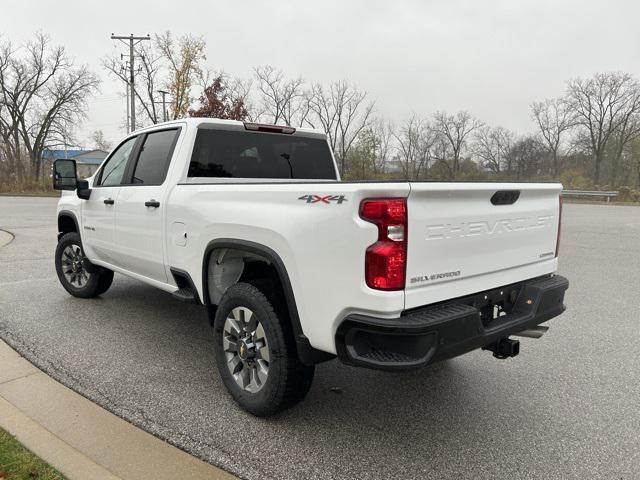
(384,132)
(42,96)
(441,153)
(455,129)
(634,148)
(241,90)
(99,141)
(283,100)
(342,112)
(147,79)
(526,154)
(371,151)
(602,105)
(493,145)
(554,118)
(415,138)
(184,58)
(628,130)
(362,157)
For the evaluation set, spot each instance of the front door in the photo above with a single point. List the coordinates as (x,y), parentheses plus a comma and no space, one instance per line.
(98,212)
(140,210)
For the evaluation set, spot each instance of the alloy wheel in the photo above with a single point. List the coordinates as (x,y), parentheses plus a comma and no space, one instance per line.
(73,266)
(246,349)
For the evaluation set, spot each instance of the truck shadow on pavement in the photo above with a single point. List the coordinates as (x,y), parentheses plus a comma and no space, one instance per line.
(149,358)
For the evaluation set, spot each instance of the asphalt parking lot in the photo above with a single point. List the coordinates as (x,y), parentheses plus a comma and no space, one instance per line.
(567,407)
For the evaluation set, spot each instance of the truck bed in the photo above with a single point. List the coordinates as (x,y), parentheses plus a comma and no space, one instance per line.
(459,242)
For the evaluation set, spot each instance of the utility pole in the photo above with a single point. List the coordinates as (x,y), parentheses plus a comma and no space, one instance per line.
(128,114)
(164,104)
(127,87)
(133,41)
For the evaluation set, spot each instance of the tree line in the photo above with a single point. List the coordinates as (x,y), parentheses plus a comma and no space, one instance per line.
(43,96)
(588,137)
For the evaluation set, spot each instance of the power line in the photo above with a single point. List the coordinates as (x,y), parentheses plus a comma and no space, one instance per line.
(107,99)
(132,41)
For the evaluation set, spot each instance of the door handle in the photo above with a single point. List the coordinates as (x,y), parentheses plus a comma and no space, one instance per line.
(152,203)
(109,201)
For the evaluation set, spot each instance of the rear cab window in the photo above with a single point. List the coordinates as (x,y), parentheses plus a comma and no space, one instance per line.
(243,154)
(154,157)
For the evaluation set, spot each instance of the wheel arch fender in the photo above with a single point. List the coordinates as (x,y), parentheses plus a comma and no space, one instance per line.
(306,352)
(65,217)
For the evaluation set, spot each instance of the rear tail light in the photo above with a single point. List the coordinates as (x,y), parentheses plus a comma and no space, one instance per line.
(559,224)
(386,260)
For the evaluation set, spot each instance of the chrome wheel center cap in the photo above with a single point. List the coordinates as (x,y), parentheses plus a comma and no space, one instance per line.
(246,349)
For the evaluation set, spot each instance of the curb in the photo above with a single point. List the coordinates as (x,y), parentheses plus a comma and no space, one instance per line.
(81,439)
(6,238)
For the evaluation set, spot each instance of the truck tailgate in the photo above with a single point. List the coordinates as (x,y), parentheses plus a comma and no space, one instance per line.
(460,241)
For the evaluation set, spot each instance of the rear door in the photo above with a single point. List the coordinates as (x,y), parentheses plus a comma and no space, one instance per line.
(98,212)
(139,225)
(468,237)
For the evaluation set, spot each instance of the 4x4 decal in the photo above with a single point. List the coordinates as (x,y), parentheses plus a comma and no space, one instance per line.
(323,199)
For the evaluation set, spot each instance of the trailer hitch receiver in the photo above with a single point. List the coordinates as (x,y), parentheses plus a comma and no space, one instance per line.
(504,348)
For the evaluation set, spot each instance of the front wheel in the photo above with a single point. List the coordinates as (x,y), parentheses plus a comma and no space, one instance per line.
(256,354)
(76,274)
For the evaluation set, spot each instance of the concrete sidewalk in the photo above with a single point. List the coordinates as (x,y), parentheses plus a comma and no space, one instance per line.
(80,439)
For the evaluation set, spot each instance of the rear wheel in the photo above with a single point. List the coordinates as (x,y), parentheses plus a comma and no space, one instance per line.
(255,352)
(76,274)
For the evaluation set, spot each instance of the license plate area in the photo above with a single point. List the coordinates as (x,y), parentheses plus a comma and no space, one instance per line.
(496,303)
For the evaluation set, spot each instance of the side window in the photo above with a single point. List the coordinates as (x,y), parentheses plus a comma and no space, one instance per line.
(113,170)
(155,156)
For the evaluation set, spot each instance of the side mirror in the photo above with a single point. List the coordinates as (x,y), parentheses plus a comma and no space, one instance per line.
(84,191)
(64,175)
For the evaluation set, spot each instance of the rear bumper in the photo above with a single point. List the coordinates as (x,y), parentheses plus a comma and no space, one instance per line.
(436,332)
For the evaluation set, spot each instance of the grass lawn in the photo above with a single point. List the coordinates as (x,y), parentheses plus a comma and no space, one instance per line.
(54,193)
(18,463)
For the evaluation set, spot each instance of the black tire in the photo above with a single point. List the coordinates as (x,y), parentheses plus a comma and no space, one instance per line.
(105,279)
(93,280)
(288,380)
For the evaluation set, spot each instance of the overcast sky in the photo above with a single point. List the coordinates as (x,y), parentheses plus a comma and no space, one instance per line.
(492,58)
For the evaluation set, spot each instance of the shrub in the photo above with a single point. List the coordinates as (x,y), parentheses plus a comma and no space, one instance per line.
(574,180)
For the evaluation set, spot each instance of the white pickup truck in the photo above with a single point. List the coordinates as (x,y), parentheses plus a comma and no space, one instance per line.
(295,267)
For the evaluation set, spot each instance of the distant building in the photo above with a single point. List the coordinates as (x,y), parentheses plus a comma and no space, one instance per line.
(87,161)
(393,166)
